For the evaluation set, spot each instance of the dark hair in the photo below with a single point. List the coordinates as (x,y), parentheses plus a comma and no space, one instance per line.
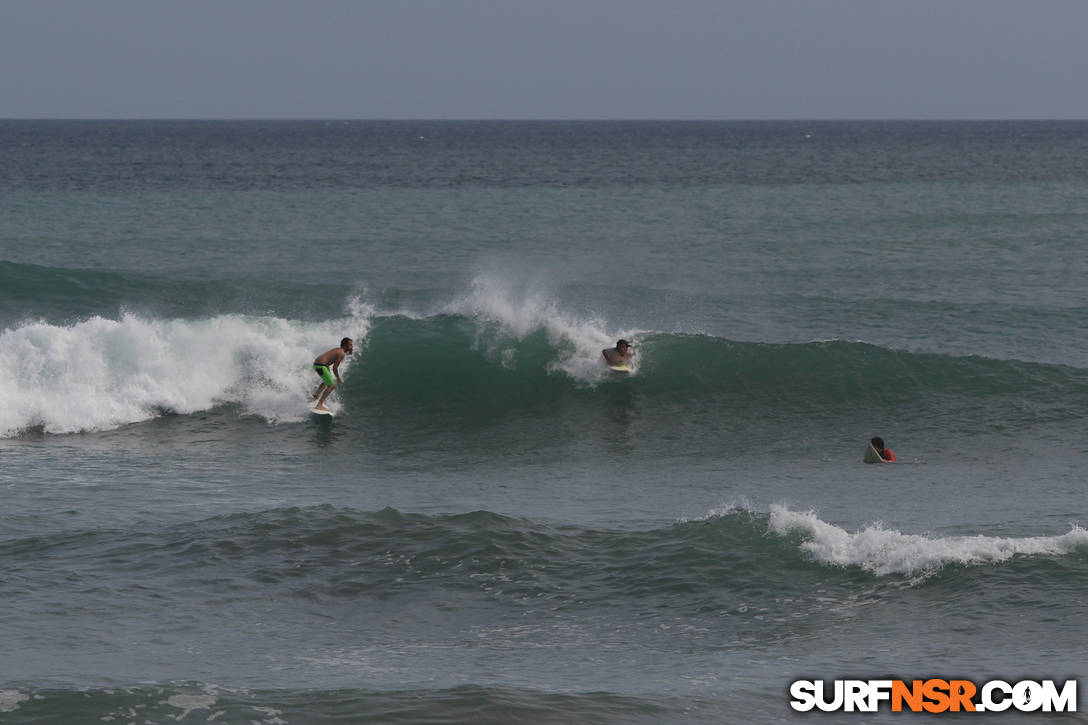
(345,341)
(878,443)
(622,342)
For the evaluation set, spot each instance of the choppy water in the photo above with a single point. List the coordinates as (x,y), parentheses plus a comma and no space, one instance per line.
(494,528)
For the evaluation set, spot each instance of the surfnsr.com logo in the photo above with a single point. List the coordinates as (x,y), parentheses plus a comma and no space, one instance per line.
(933,695)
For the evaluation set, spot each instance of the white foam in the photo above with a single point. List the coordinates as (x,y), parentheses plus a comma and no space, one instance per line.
(99,374)
(188,703)
(524,309)
(887,551)
(10,700)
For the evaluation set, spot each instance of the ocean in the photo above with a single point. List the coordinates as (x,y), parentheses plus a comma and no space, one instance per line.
(494,528)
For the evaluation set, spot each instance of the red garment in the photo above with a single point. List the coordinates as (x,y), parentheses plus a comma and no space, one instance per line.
(887,454)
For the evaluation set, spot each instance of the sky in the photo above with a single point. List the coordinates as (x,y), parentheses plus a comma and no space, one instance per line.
(544,59)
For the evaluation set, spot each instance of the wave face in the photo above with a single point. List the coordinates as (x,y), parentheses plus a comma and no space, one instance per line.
(465,364)
(324,552)
(478,592)
(347,552)
(483,589)
(479,588)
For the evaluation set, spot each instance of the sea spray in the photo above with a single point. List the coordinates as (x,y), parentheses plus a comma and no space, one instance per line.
(505,315)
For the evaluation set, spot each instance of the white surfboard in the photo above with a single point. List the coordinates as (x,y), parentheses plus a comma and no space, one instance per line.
(872,455)
(315,411)
(624,368)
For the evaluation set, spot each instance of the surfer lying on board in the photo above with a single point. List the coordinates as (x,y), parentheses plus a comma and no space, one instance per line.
(885,453)
(619,354)
(332,359)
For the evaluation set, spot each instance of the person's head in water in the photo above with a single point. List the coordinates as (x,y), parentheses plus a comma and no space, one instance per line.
(622,346)
(347,344)
(885,453)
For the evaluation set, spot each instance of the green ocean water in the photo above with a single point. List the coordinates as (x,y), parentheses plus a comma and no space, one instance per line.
(494,528)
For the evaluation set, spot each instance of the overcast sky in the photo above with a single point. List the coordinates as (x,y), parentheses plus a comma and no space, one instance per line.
(544,59)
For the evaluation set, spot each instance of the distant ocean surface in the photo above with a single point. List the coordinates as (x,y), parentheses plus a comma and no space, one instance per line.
(494,528)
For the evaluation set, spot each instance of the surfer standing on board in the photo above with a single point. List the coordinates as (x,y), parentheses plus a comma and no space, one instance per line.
(618,355)
(330,359)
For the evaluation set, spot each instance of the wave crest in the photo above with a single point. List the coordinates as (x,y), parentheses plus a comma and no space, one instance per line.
(101,373)
(884,551)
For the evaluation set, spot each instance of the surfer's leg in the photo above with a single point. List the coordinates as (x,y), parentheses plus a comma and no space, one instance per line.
(321,403)
(326,381)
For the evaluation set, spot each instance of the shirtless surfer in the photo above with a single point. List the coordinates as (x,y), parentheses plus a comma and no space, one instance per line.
(618,355)
(322,365)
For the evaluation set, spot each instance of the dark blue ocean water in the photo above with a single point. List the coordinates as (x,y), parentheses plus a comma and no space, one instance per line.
(494,527)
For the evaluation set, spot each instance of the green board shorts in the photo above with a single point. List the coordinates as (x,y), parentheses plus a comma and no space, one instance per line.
(326,374)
